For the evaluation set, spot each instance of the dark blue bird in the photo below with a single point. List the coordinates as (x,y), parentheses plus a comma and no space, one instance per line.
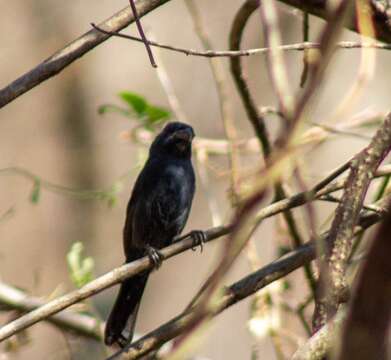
(157,212)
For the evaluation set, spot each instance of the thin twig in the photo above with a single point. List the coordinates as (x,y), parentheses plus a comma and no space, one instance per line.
(141,32)
(276,64)
(302,46)
(367,63)
(85,43)
(306,38)
(73,51)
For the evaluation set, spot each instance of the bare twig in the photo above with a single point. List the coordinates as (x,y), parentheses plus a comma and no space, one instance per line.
(250,107)
(367,62)
(306,38)
(302,46)
(77,48)
(168,87)
(141,32)
(225,106)
(276,65)
(226,110)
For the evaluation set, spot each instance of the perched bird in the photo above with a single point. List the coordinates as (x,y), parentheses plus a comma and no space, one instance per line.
(157,212)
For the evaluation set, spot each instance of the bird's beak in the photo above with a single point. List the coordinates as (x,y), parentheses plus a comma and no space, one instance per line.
(185,135)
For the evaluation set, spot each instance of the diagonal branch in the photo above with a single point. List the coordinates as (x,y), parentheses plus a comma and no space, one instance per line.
(339,243)
(81,324)
(366,330)
(77,48)
(141,32)
(325,338)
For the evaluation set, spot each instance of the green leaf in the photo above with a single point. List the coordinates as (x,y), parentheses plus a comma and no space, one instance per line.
(135,101)
(286,285)
(111,195)
(157,114)
(103,109)
(36,191)
(112,200)
(80,268)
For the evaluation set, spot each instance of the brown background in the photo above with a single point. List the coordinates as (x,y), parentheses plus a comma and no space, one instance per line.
(55,132)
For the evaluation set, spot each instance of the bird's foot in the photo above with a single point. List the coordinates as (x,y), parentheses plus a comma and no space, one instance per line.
(122,341)
(199,238)
(155,256)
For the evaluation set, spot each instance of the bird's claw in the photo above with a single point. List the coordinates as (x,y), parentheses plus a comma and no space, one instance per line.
(199,238)
(122,341)
(155,256)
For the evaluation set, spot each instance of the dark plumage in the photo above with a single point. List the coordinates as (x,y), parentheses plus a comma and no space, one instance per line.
(157,212)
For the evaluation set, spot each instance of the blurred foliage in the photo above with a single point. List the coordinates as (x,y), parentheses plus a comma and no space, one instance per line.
(137,107)
(108,195)
(36,191)
(80,267)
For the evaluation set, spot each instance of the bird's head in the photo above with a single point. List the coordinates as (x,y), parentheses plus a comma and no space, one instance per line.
(175,140)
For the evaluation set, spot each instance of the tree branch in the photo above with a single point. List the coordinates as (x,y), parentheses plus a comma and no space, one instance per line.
(85,325)
(319,344)
(365,333)
(381,14)
(338,244)
(248,52)
(80,46)
(235,39)
(325,338)
(77,48)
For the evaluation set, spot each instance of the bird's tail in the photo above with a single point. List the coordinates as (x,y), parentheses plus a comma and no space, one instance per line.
(120,324)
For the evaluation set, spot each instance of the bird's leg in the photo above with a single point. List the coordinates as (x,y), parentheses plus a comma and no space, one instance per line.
(155,256)
(199,238)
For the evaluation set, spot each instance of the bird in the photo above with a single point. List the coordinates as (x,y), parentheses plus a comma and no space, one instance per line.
(156,214)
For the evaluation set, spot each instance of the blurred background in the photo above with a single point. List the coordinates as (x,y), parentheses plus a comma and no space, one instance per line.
(56,133)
